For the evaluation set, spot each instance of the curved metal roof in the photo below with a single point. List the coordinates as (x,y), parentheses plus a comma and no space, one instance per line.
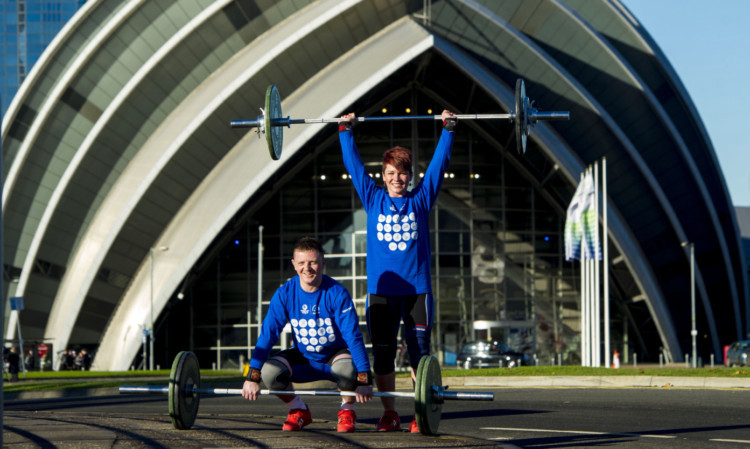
(118,142)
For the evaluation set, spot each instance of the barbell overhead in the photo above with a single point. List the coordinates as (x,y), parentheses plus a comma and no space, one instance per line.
(184,392)
(271,122)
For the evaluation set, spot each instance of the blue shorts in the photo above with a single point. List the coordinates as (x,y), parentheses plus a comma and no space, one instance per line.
(306,370)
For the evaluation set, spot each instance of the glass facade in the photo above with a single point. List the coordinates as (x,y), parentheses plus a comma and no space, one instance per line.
(497,245)
(28,26)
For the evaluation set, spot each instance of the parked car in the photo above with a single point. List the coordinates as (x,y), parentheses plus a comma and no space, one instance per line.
(738,353)
(478,354)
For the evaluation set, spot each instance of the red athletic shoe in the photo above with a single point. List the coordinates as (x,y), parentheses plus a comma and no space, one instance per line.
(347,421)
(389,422)
(297,419)
(413,428)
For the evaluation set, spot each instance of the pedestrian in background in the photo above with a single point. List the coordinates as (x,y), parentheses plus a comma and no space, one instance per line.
(13,364)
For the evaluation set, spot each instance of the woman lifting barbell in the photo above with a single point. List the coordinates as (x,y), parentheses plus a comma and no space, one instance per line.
(398,254)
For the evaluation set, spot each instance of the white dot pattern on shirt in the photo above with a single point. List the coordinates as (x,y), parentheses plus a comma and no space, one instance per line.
(318,336)
(397,230)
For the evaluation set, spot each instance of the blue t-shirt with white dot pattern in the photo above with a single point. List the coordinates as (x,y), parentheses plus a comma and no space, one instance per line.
(323,322)
(398,239)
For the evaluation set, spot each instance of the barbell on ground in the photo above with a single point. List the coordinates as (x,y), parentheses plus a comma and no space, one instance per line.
(184,392)
(270,122)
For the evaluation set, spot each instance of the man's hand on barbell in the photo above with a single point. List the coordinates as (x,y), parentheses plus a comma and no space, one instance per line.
(364,393)
(250,390)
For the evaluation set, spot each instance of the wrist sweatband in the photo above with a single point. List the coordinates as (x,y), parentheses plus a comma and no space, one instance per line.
(254,375)
(449,124)
(364,378)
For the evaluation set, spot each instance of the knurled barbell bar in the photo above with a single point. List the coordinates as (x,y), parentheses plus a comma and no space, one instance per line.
(184,392)
(270,123)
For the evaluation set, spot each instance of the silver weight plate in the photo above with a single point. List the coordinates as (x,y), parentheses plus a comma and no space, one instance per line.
(427,409)
(183,402)
(274,134)
(521,127)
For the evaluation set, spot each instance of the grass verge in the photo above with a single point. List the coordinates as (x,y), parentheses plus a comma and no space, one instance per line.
(49,381)
(62,380)
(588,371)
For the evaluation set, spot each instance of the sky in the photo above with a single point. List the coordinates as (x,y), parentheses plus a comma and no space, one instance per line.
(708,45)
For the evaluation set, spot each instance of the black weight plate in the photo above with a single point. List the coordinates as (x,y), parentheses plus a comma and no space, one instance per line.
(427,410)
(520,119)
(274,134)
(183,403)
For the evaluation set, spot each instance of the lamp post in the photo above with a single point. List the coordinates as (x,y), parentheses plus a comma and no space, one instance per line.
(151,333)
(693,331)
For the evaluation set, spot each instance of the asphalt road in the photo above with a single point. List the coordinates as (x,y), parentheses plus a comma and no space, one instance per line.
(613,418)
(522,417)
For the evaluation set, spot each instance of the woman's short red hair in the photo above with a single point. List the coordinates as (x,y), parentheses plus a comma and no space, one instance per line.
(399,157)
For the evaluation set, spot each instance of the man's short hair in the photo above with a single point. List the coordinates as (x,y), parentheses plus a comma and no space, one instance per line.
(308,244)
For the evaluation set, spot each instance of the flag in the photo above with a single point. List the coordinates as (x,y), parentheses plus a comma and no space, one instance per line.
(590,220)
(573,227)
(581,222)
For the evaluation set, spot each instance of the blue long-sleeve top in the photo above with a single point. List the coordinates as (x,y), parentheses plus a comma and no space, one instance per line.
(398,237)
(323,322)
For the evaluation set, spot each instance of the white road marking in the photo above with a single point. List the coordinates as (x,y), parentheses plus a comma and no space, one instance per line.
(579,432)
(730,441)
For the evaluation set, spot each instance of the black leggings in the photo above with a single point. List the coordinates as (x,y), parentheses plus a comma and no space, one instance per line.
(384,315)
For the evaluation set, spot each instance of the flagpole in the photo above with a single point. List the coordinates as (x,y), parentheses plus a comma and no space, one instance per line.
(585,297)
(591,294)
(605,259)
(575,241)
(585,351)
(592,291)
(592,310)
(589,278)
(597,280)
(590,265)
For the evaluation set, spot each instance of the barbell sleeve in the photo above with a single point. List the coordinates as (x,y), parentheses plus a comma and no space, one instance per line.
(548,115)
(143,389)
(467,395)
(247,123)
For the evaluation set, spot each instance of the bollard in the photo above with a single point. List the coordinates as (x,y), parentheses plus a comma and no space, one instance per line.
(712,360)
(635,360)
(661,360)
(687,360)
